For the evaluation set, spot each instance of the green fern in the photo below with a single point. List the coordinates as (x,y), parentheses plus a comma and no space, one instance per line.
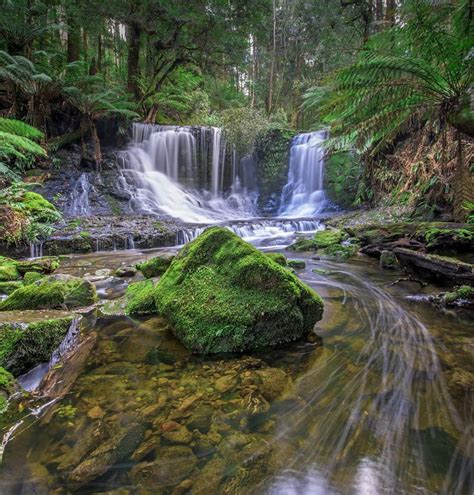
(416,72)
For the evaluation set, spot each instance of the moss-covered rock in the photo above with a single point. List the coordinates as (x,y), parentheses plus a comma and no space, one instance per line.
(328,237)
(22,347)
(9,272)
(341,252)
(9,287)
(388,260)
(54,291)
(278,258)
(6,386)
(302,244)
(459,296)
(297,264)
(155,267)
(140,298)
(31,277)
(223,295)
(45,265)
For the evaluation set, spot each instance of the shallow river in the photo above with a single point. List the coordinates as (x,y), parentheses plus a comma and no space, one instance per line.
(376,405)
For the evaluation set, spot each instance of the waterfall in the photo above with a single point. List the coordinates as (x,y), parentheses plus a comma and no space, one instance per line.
(79,205)
(303,195)
(182,172)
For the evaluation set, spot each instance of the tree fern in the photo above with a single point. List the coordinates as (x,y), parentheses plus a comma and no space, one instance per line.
(415,72)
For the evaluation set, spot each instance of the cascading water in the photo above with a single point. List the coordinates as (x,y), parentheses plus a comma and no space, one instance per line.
(303,195)
(164,173)
(79,204)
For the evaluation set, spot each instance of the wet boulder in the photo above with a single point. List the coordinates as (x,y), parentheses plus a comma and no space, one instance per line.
(221,294)
(52,292)
(23,346)
(155,267)
(279,258)
(140,299)
(172,465)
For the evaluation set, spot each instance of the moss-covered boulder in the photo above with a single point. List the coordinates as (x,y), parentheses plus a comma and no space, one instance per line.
(8,271)
(297,264)
(45,265)
(328,237)
(9,287)
(23,346)
(221,294)
(321,239)
(140,298)
(51,292)
(278,258)
(155,267)
(31,277)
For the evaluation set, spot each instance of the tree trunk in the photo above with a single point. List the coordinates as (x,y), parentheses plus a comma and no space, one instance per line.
(96,141)
(390,12)
(151,116)
(99,53)
(73,40)
(133,34)
(272,65)
(463,184)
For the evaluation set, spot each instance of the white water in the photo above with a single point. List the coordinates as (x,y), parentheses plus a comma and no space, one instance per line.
(79,205)
(164,175)
(303,195)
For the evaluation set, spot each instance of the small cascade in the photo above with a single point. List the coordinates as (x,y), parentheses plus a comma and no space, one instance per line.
(183,172)
(79,205)
(36,249)
(303,195)
(257,231)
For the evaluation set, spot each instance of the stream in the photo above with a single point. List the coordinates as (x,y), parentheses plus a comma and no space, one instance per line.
(366,409)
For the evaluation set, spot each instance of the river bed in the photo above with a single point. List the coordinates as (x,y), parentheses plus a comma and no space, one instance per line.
(375,404)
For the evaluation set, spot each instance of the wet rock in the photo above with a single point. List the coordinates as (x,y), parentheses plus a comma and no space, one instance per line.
(297,264)
(221,294)
(388,260)
(89,440)
(122,444)
(210,477)
(224,384)
(183,487)
(148,446)
(181,436)
(172,465)
(169,426)
(103,272)
(201,418)
(272,382)
(37,481)
(96,413)
(126,271)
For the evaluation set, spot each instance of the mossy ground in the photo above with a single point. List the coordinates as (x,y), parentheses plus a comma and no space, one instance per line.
(22,349)
(222,295)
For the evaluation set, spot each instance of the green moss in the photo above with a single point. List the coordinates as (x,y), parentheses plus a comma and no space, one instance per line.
(341,252)
(297,264)
(45,265)
(222,295)
(6,379)
(155,267)
(23,349)
(438,237)
(85,234)
(140,298)
(278,258)
(114,205)
(30,277)
(9,287)
(52,292)
(342,178)
(302,244)
(325,238)
(9,272)
(459,294)
(466,292)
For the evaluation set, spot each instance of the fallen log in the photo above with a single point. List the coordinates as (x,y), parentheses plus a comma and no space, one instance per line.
(443,269)
(375,250)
